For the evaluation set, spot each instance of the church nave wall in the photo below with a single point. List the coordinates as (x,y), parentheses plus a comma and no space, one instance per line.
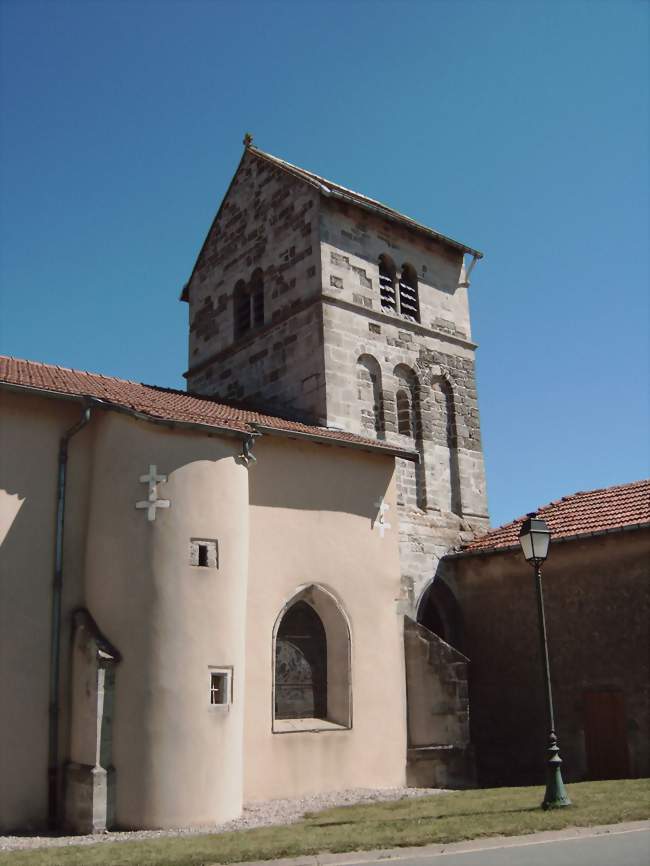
(315,536)
(30,432)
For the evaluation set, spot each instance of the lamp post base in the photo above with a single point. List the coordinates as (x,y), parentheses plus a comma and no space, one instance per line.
(556,796)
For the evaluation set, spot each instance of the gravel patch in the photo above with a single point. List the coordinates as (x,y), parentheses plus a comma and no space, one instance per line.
(254,815)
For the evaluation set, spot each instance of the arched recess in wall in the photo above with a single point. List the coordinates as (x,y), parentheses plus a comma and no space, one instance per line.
(370,395)
(444,436)
(311,660)
(409,423)
(387,283)
(440,612)
(241,309)
(409,301)
(257,297)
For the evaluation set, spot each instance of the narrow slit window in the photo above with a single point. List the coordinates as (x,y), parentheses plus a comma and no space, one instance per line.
(203,555)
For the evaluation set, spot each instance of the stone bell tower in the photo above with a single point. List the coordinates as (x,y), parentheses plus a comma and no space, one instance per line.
(318,303)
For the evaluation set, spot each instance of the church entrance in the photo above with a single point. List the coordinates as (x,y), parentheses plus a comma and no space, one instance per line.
(301,665)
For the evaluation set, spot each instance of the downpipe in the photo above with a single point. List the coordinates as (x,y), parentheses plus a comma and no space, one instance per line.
(55,633)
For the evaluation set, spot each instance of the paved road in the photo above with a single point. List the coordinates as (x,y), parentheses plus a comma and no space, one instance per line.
(622,848)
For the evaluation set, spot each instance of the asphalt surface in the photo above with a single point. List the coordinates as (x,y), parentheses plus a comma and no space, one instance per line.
(616,848)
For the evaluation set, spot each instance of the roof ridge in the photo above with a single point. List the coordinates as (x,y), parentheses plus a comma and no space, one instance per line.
(319,177)
(348,195)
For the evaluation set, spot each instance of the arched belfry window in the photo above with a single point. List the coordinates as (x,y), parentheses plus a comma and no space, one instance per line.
(241,309)
(409,305)
(301,665)
(257,297)
(387,280)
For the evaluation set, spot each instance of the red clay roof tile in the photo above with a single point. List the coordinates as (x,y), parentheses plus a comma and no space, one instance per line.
(583,513)
(166,403)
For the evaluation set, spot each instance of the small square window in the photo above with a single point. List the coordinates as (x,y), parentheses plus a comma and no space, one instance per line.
(204,553)
(220,687)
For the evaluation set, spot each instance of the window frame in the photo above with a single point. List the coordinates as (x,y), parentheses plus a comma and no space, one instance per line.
(221,671)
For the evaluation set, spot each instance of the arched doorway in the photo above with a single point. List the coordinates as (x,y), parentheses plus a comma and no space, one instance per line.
(439,612)
(301,665)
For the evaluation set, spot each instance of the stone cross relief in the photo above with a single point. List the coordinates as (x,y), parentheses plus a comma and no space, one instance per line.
(152,502)
(380,521)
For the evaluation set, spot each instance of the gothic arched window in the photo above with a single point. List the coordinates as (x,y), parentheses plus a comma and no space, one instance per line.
(241,309)
(409,305)
(257,297)
(301,665)
(387,278)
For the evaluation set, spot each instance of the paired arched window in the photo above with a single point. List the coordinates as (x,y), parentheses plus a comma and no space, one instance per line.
(248,304)
(398,295)
(311,660)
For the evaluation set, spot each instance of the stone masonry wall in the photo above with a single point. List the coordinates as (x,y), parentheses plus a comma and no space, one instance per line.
(268,220)
(371,354)
(327,351)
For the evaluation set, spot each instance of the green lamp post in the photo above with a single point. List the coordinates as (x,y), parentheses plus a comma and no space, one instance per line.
(534,538)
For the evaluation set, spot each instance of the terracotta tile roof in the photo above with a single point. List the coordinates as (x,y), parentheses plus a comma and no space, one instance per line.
(328,187)
(168,404)
(584,513)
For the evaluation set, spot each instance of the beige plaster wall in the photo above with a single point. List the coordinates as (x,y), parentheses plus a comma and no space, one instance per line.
(178,761)
(312,512)
(30,430)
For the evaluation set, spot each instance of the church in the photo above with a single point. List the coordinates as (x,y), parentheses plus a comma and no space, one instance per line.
(264,586)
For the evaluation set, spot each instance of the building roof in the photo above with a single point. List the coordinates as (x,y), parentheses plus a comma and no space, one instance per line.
(335,190)
(591,512)
(168,405)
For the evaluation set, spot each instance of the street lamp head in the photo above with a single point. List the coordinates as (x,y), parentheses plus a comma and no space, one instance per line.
(534,538)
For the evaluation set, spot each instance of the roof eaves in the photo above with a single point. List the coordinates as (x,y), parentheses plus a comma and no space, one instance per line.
(508,548)
(238,429)
(243,431)
(323,439)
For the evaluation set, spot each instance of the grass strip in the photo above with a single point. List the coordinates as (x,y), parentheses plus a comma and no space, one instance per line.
(440,819)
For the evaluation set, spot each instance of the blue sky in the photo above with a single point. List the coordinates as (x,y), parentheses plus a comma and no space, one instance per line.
(518,128)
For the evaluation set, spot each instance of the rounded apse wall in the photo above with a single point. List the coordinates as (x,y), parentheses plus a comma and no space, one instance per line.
(176,613)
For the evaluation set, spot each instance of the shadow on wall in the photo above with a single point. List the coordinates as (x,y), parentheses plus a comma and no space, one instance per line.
(292,474)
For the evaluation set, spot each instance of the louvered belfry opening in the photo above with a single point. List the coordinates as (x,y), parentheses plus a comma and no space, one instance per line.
(301,665)
(409,305)
(387,279)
